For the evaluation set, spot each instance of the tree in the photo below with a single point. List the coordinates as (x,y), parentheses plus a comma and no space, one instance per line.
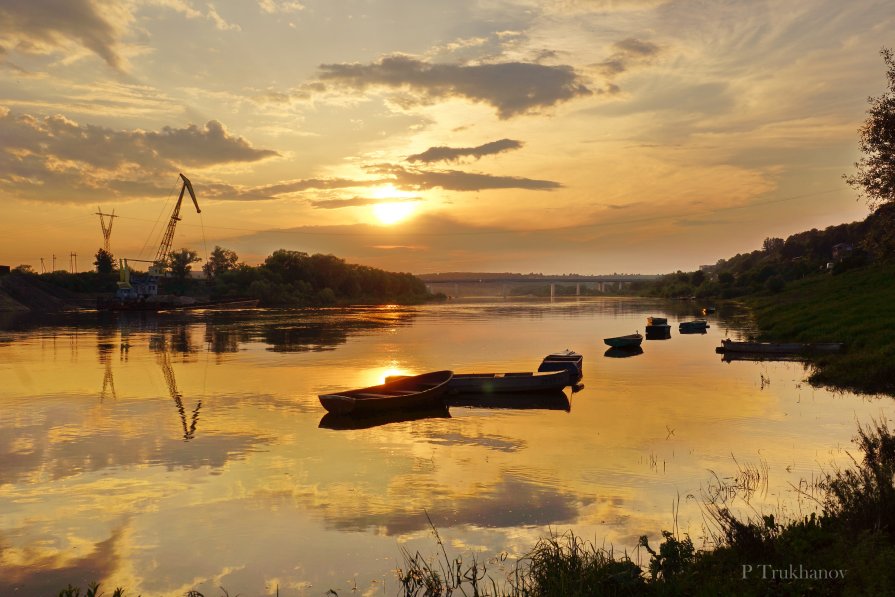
(181,262)
(23,269)
(875,178)
(772,246)
(105,262)
(221,260)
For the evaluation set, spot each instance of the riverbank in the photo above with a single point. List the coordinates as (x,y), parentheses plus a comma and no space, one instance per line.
(855,307)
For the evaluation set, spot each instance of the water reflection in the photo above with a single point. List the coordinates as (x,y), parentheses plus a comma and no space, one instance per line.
(343,422)
(620,352)
(169,505)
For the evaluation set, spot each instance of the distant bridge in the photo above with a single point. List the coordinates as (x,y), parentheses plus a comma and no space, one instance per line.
(557,279)
(502,285)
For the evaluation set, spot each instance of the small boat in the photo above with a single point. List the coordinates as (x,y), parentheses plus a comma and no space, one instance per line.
(567,360)
(697,326)
(549,400)
(779,348)
(623,353)
(504,383)
(708,310)
(415,392)
(657,321)
(629,341)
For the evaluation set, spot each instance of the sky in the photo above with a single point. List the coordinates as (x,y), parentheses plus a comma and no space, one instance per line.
(566,136)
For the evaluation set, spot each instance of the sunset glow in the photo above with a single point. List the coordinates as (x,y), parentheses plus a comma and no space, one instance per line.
(571,136)
(392,213)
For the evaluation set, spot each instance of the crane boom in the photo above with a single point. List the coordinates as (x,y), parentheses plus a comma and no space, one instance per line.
(165,248)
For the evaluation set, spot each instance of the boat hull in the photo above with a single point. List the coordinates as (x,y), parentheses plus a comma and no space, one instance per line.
(631,341)
(779,348)
(410,393)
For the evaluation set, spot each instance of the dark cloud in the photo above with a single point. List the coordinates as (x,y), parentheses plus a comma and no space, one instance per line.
(359,201)
(406,179)
(448,154)
(50,22)
(628,52)
(512,88)
(57,159)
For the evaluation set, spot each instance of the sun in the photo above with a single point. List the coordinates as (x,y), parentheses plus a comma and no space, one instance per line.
(392,213)
(396,205)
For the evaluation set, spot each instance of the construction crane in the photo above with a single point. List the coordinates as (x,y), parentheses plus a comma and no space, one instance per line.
(107,229)
(158,266)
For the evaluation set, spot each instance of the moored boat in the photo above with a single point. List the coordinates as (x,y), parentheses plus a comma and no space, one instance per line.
(567,360)
(416,392)
(629,341)
(695,326)
(779,348)
(504,383)
(657,321)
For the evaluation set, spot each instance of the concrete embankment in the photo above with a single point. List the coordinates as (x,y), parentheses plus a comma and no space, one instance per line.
(21,293)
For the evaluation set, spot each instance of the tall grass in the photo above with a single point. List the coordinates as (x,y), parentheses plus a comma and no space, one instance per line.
(855,307)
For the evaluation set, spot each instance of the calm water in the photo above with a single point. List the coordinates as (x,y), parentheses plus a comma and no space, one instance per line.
(172,452)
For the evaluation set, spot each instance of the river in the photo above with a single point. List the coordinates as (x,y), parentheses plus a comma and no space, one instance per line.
(172,452)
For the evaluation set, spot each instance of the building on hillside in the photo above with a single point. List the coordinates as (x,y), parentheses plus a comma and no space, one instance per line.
(842,250)
(4,269)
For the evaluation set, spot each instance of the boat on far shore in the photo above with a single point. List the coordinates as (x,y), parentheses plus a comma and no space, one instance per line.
(779,348)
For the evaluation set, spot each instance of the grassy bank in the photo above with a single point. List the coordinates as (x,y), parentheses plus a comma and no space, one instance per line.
(856,307)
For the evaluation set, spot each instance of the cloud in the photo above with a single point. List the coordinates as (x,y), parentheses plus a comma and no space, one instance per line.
(628,52)
(359,202)
(513,88)
(448,154)
(57,159)
(455,180)
(280,6)
(36,24)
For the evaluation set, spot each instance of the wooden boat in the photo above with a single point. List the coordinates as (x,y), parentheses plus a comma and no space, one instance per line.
(415,392)
(567,360)
(780,348)
(346,422)
(696,326)
(629,341)
(503,383)
(657,321)
(549,400)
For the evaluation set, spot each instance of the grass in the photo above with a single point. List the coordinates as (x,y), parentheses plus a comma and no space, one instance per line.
(856,307)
